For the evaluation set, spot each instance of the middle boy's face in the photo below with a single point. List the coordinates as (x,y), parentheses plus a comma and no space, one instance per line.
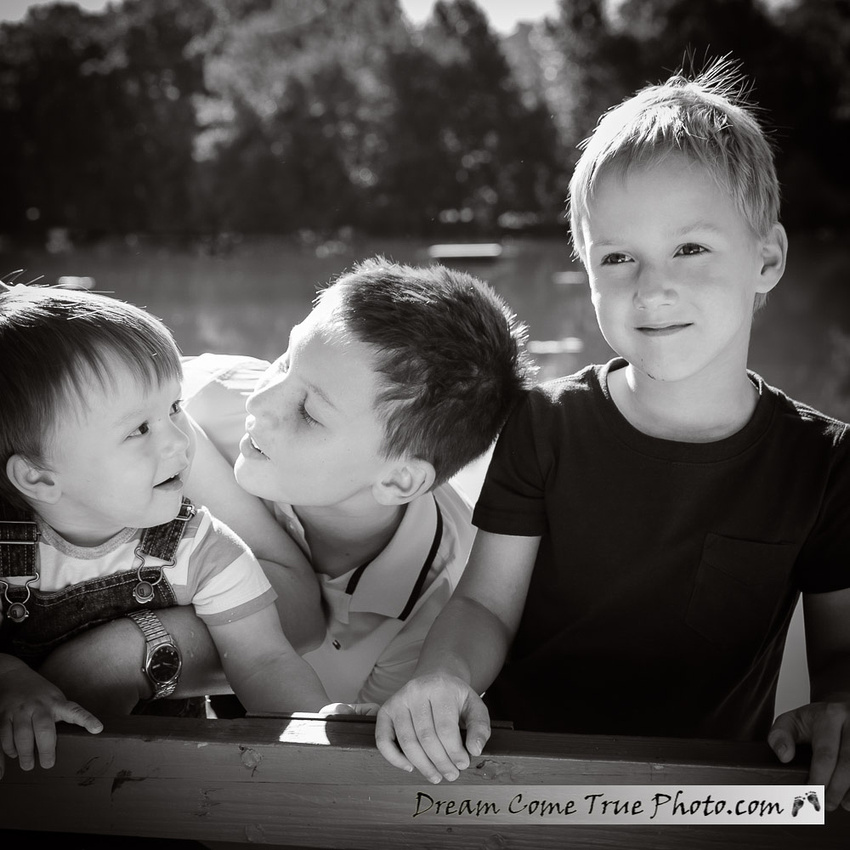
(313,435)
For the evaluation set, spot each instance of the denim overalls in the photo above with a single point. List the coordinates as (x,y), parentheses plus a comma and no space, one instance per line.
(34,622)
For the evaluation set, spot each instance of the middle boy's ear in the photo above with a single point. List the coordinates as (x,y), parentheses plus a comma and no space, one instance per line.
(403,481)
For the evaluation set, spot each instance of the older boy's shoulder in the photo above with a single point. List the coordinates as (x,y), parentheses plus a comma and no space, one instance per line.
(586,384)
(808,419)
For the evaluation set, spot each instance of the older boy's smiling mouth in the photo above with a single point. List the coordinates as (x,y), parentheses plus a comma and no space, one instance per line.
(663,330)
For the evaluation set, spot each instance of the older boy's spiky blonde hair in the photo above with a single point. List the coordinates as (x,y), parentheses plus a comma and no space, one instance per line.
(708,120)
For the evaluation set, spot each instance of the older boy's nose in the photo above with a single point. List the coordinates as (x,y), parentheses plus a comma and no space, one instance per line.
(654,287)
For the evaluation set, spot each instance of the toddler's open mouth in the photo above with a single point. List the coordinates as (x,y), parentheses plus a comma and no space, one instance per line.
(170,483)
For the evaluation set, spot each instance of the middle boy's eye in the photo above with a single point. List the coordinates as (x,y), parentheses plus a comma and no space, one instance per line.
(302,411)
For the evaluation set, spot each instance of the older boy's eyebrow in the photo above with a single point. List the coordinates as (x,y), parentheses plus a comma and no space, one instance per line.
(697,225)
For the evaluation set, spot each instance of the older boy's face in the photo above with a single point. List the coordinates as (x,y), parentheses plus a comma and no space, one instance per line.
(313,436)
(674,269)
(119,457)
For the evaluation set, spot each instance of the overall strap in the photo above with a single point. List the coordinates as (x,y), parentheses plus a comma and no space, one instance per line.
(162,541)
(18,540)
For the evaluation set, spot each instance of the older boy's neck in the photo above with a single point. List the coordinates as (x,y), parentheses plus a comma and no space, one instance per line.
(694,412)
(340,541)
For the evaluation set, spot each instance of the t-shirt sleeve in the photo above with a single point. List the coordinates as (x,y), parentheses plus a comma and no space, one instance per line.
(215,389)
(224,581)
(512,497)
(824,561)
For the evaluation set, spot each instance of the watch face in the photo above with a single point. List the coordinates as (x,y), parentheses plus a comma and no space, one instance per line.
(164,664)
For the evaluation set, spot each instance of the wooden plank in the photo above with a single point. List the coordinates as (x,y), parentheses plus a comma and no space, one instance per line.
(313,783)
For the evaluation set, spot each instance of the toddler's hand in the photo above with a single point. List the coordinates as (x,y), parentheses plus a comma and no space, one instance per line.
(30,708)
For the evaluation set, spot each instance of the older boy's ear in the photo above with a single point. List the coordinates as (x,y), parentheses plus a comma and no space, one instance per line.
(404,481)
(34,483)
(773,253)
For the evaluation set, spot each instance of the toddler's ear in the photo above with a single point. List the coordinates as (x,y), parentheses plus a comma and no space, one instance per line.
(773,254)
(34,483)
(403,481)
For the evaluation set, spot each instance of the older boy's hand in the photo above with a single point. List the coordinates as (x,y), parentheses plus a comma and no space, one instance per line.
(30,708)
(826,726)
(419,726)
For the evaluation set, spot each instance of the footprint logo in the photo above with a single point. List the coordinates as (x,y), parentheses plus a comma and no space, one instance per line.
(811,797)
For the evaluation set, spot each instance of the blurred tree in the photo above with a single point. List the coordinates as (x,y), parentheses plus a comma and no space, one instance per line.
(587,67)
(100,108)
(297,98)
(465,146)
(179,115)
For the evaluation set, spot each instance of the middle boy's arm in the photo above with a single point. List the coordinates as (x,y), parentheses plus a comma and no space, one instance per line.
(212,483)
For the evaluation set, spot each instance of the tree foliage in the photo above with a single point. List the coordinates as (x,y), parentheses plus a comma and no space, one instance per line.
(278,115)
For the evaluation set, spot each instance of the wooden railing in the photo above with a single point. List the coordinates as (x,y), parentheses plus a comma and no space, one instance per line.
(309,782)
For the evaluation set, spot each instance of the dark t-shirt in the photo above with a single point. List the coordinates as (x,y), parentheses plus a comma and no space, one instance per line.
(667,572)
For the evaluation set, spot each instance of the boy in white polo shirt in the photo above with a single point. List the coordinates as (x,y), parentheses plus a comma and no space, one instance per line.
(398,378)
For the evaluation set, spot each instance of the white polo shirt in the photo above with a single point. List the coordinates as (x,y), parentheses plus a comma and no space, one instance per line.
(378,614)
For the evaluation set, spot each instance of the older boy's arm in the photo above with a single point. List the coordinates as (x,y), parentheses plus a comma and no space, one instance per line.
(464,651)
(212,483)
(825,721)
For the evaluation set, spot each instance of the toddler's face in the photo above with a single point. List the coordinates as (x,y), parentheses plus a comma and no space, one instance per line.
(674,269)
(313,435)
(118,454)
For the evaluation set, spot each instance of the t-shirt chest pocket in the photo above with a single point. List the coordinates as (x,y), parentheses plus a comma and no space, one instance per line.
(738,589)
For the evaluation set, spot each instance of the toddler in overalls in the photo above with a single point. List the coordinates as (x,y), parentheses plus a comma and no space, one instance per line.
(94,447)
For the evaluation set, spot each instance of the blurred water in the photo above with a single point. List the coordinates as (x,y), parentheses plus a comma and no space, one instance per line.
(243,296)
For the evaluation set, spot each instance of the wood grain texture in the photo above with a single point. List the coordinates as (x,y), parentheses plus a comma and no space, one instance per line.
(307,782)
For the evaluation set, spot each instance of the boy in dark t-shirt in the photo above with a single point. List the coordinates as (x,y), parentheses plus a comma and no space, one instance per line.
(646,527)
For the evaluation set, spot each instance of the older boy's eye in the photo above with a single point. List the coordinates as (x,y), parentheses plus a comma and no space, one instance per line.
(177,407)
(615,259)
(691,249)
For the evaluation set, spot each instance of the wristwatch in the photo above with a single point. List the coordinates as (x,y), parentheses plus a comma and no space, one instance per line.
(163,662)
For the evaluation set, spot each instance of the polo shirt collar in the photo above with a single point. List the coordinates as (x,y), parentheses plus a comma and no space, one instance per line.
(388,580)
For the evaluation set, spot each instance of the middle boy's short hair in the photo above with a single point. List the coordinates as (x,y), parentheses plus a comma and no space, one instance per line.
(449,352)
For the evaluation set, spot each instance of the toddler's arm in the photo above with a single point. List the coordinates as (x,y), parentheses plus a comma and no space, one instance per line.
(266,673)
(825,721)
(212,483)
(30,708)
(420,725)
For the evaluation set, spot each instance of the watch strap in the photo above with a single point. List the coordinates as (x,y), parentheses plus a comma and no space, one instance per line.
(155,635)
(151,626)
